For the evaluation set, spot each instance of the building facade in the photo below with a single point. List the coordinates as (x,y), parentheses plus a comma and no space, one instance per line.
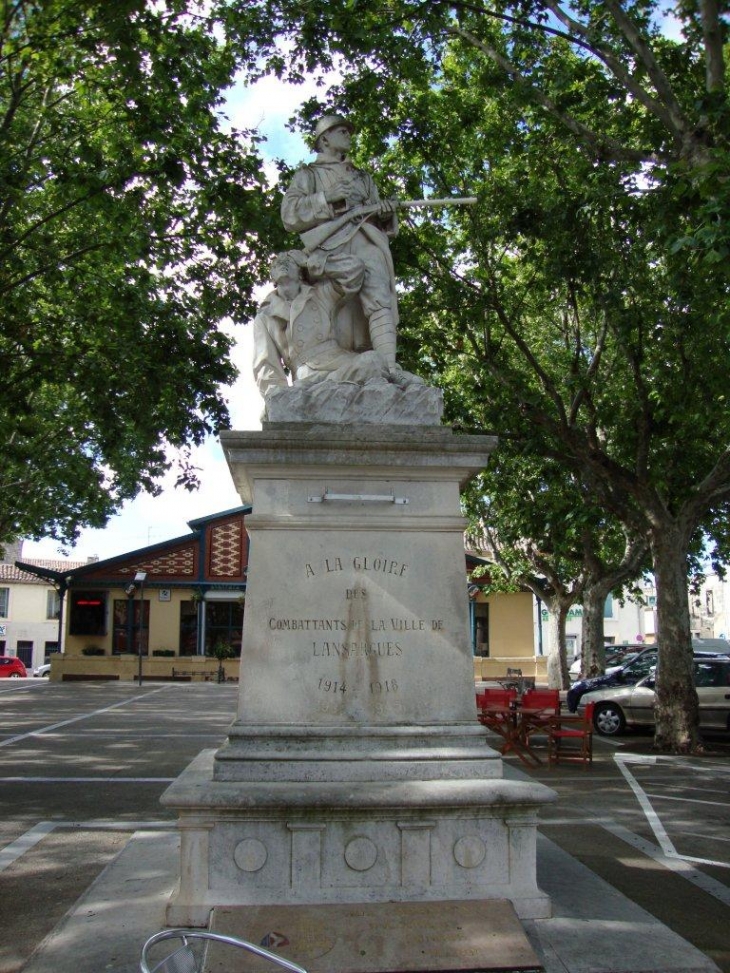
(29,608)
(176,605)
(166,610)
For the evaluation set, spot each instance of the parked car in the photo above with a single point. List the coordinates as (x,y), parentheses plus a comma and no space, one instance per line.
(715,646)
(627,674)
(12,668)
(44,670)
(619,706)
(635,668)
(616,655)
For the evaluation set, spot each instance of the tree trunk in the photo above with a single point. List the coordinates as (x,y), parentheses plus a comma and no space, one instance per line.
(593,653)
(677,708)
(557,662)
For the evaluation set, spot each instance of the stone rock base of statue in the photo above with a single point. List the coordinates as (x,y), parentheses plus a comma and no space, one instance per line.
(355,771)
(379,402)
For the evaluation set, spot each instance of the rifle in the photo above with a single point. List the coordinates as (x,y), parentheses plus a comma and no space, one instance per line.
(317,235)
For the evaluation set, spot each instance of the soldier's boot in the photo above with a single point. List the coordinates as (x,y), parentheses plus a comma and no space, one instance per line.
(382,335)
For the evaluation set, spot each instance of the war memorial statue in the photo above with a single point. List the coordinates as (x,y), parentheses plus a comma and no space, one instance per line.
(333,314)
(355,773)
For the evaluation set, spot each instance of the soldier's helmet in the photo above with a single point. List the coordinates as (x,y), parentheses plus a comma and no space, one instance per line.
(328,122)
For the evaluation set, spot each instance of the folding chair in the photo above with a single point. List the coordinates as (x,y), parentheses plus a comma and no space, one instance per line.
(184,958)
(538,707)
(572,729)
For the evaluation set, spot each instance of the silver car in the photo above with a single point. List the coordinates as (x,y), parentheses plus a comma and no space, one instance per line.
(620,706)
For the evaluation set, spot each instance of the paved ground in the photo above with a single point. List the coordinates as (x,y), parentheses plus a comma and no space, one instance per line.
(83,765)
(657,829)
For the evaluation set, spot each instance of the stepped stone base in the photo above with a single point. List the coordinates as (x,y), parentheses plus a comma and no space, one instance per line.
(304,843)
(356,770)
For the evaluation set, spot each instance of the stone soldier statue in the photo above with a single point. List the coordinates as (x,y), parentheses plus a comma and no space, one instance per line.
(294,329)
(317,205)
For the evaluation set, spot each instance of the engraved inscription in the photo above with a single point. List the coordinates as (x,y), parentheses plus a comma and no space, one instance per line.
(348,650)
(384,686)
(331,686)
(376,564)
(358,653)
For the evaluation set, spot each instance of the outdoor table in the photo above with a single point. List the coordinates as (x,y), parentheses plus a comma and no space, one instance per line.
(506,721)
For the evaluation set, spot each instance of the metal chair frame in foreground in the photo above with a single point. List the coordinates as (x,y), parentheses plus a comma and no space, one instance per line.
(185,960)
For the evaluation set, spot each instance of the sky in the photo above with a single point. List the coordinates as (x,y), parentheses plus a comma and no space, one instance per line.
(266,106)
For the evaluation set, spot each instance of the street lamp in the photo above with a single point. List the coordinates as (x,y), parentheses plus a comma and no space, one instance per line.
(140,578)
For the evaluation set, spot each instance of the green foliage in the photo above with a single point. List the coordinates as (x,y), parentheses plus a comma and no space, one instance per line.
(581,309)
(221,650)
(129,224)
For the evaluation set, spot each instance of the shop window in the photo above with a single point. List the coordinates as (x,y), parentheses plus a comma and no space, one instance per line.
(4,602)
(49,649)
(481,628)
(188,628)
(25,652)
(126,633)
(53,603)
(87,614)
(223,623)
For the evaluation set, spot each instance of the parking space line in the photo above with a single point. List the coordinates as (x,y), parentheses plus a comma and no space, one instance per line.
(76,719)
(669,852)
(688,800)
(12,852)
(679,864)
(87,780)
(16,849)
(651,816)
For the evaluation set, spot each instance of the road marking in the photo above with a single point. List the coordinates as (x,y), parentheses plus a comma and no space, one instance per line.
(651,816)
(705,837)
(688,800)
(87,780)
(669,852)
(12,852)
(76,719)
(681,865)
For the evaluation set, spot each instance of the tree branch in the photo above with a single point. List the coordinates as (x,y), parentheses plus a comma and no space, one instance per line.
(661,111)
(712,34)
(662,86)
(599,144)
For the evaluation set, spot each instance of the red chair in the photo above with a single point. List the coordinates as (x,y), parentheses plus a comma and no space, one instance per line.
(542,698)
(538,708)
(573,730)
(495,697)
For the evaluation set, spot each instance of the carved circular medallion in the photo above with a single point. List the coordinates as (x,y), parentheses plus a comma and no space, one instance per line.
(361,854)
(470,851)
(250,855)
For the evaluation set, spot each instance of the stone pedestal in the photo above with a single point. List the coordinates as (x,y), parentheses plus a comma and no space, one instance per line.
(356,770)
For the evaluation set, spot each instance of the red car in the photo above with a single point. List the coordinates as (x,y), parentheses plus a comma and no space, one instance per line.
(12,668)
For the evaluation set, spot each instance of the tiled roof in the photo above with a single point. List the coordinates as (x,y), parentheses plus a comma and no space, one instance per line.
(8,572)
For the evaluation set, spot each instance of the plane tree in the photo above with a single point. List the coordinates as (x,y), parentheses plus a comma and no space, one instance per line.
(129,219)
(543,532)
(583,303)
